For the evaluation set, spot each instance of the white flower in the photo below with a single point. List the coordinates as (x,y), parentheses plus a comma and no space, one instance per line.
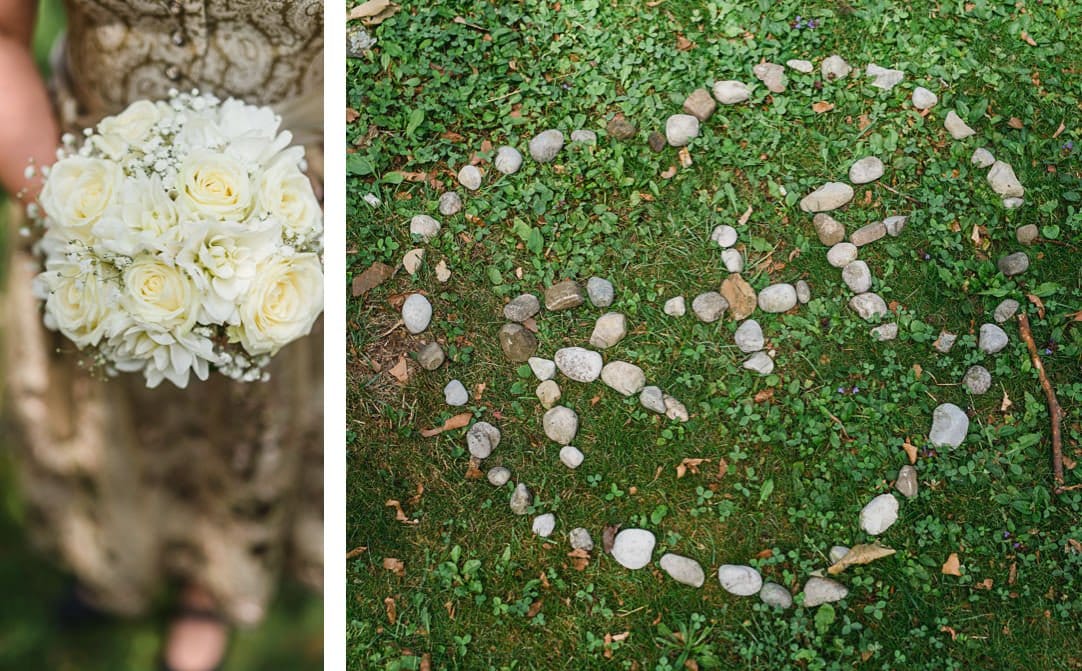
(77,193)
(251,132)
(159,294)
(285,192)
(144,218)
(161,355)
(133,124)
(210,184)
(78,302)
(282,303)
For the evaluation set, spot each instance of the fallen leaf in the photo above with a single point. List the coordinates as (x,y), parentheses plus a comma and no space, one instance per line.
(740,295)
(670,173)
(1028,40)
(723,468)
(400,371)
(426,662)
(865,553)
(373,12)
(1012,575)
(392,609)
(1006,403)
(952,566)
(449,606)
(744,217)
(688,464)
(399,515)
(1015,122)
(580,559)
(685,157)
(863,121)
(765,396)
(822,106)
(1059,130)
(910,451)
(373,276)
(356,552)
(352,115)
(457,422)
(1036,300)
(917,370)
(608,536)
(396,566)
(1076,316)
(412,260)
(473,471)
(534,608)
(975,236)
(764,554)
(1074,546)
(683,43)
(984,584)
(416,498)
(621,637)
(452,136)
(950,631)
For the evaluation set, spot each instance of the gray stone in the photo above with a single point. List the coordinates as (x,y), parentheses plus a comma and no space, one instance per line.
(610,329)
(977,380)
(724,235)
(416,313)
(498,476)
(469,176)
(1013,203)
(733,260)
(895,225)
(749,337)
(818,591)
(830,196)
(857,276)
(676,410)
(1004,182)
(982,158)
(923,98)
(739,579)
(508,160)
(772,75)
(760,362)
(548,392)
(564,296)
(867,169)
(683,570)
(885,78)
(868,234)
(880,513)
(949,426)
(945,342)
(868,305)
(544,369)
(773,594)
(450,203)
(730,92)
(620,128)
(581,365)
(455,394)
(584,136)
(1005,310)
(600,291)
(624,377)
(656,141)
(431,356)
(885,332)
(907,484)
(580,539)
(633,548)
(481,439)
(517,342)
(1013,264)
(834,67)
(544,525)
(992,339)
(680,129)
(801,66)
(571,456)
(777,298)
(803,292)
(545,145)
(700,104)
(561,424)
(1027,234)
(829,230)
(521,499)
(424,227)
(652,399)
(842,254)
(521,308)
(675,307)
(708,307)
(837,552)
(958,129)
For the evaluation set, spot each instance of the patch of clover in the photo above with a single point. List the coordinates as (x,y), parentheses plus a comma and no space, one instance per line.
(632,547)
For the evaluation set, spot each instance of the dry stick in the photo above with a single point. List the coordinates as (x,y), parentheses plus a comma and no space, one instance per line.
(1054,408)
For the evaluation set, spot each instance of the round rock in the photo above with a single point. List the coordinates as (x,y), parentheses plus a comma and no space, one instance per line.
(1013,264)
(733,260)
(992,339)
(521,499)
(803,292)
(579,364)
(724,235)
(508,159)
(842,254)
(416,313)
(830,196)
(652,399)
(867,169)
(543,369)
(633,548)
(739,579)
(571,456)
(760,362)
(609,329)
(469,176)
(544,525)
(600,291)
(546,144)
(624,377)
(498,476)
(829,229)
(1005,310)
(481,439)
(521,308)
(579,538)
(949,426)
(730,92)
(455,394)
(818,591)
(548,392)
(857,276)
(923,98)
(773,594)
(1027,235)
(561,424)
(517,342)
(709,306)
(977,380)
(430,356)
(777,298)
(681,129)
(683,569)
(450,203)
(749,336)
(675,307)
(868,305)
(424,227)
(879,514)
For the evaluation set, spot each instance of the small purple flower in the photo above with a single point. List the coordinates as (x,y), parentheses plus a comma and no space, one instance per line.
(841,390)
(813,24)
(1068,145)
(927,256)
(856,389)
(567,87)
(1047,350)
(1017,545)
(1006,535)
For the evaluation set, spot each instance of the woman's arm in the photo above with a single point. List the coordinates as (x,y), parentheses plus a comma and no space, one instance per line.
(28,128)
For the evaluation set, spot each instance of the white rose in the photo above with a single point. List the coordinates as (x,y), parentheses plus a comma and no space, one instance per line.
(285,192)
(78,302)
(160,355)
(160,294)
(251,132)
(282,303)
(133,124)
(213,185)
(77,193)
(143,219)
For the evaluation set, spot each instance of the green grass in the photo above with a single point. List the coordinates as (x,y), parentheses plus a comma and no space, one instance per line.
(795,482)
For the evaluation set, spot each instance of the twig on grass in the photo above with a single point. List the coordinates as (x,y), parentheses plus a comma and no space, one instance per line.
(1054,408)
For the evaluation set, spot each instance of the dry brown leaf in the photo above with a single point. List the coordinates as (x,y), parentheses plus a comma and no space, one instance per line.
(670,173)
(1069,463)
(580,559)
(1006,403)
(764,554)
(608,536)
(910,451)
(426,662)
(534,609)
(473,471)
(621,637)
(683,43)
(400,371)
(740,295)
(1059,130)
(917,370)
(1076,316)
(822,106)
(744,217)
(373,276)
(689,464)
(975,236)
(723,468)
(1074,546)
(685,157)
(863,121)
(399,514)
(1015,122)
(949,630)
(1028,40)
(392,609)
(1036,300)
(865,553)
(457,422)
(952,566)
(765,396)
(352,115)
(356,552)
(396,566)
(984,584)
(1012,574)
(373,12)
(479,390)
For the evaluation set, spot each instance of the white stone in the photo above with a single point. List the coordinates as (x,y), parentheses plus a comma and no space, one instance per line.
(867,169)
(450,203)
(674,409)
(801,66)
(571,456)
(548,392)
(772,75)
(600,291)
(733,260)
(581,365)
(416,313)
(837,552)
(885,332)
(584,136)
(879,514)
(803,292)
(749,336)
(777,298)
(835,67)
(652,399)
(982,158)
(958,129)
(498,476)
(469,176)
(508,160)
(412,260)
(521,499)
(680,129)
(724,235)
(868,305)
(773,594)
(830,196)
(992,339)
(545,145)
(455,394)
(923,98)
(481,439)
(1005,310)
(683,569)
(561,424)
(675,307)
(1013,203)
(609,329)
(907,483)
(624,377)
(1004,182)
(709,306)
(730,92)
(443,273)
(885,78)
(818,591)
(760,362)
(580,539)
(739,580)
(544,525)
(633,548)
(857,276)
(895,225)
(842,254)
(424,227)
(544,369)
(949,426)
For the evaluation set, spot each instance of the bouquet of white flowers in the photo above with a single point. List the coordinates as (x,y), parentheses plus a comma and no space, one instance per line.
(181,236)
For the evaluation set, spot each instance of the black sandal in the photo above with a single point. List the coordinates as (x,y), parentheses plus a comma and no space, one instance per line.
(201,614)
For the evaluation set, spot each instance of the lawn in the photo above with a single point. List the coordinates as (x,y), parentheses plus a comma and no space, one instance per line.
(457,581)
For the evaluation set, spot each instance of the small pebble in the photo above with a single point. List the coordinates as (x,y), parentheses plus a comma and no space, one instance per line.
(749,337)
(424,227)
(837,553)
(1004,182)
(982,158)
(739,580)
(675,307)
(683,570)
(731,92)
(521,308)
(584,136)
(571,456)
(829,230)
(945,342)
(680,129)
(544,525)
(508,160)
(868,305)
(773,594)
(894,225)
(772,75)
(652,399)
(880,513)
(907,484)
(620,128)
(709,306)
(992,339)
(481,439)
(609,329)
(469,176)
(842,254)
(857,276)
(450,203)
(623,377)
(543,369)
(724,235)
(958,129)
(455,394)
(1005,310)
(548,392)
(818,591)
(867,169)
(778,298)
(498,476)
(600,291)
(802,66)
(803,292)
(834,67)
(545,145)
(675,410)
(923,98)
(656,141)
(431,356)
(521,499)
(633,548)
(1013,264)
(443,273)
(1027,234)
(733,260)
(885,332)
(830,196)
(865,235)
(760,362)
(564,296)
(560,424)
(580,539)
(700,104)
(950,424)
(416,313)
(885,78)
(579,364)
(977,380)
(517,342)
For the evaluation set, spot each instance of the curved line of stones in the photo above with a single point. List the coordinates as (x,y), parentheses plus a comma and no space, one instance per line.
(950,423)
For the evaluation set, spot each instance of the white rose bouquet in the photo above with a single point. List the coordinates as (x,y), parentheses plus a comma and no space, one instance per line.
(181,236)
